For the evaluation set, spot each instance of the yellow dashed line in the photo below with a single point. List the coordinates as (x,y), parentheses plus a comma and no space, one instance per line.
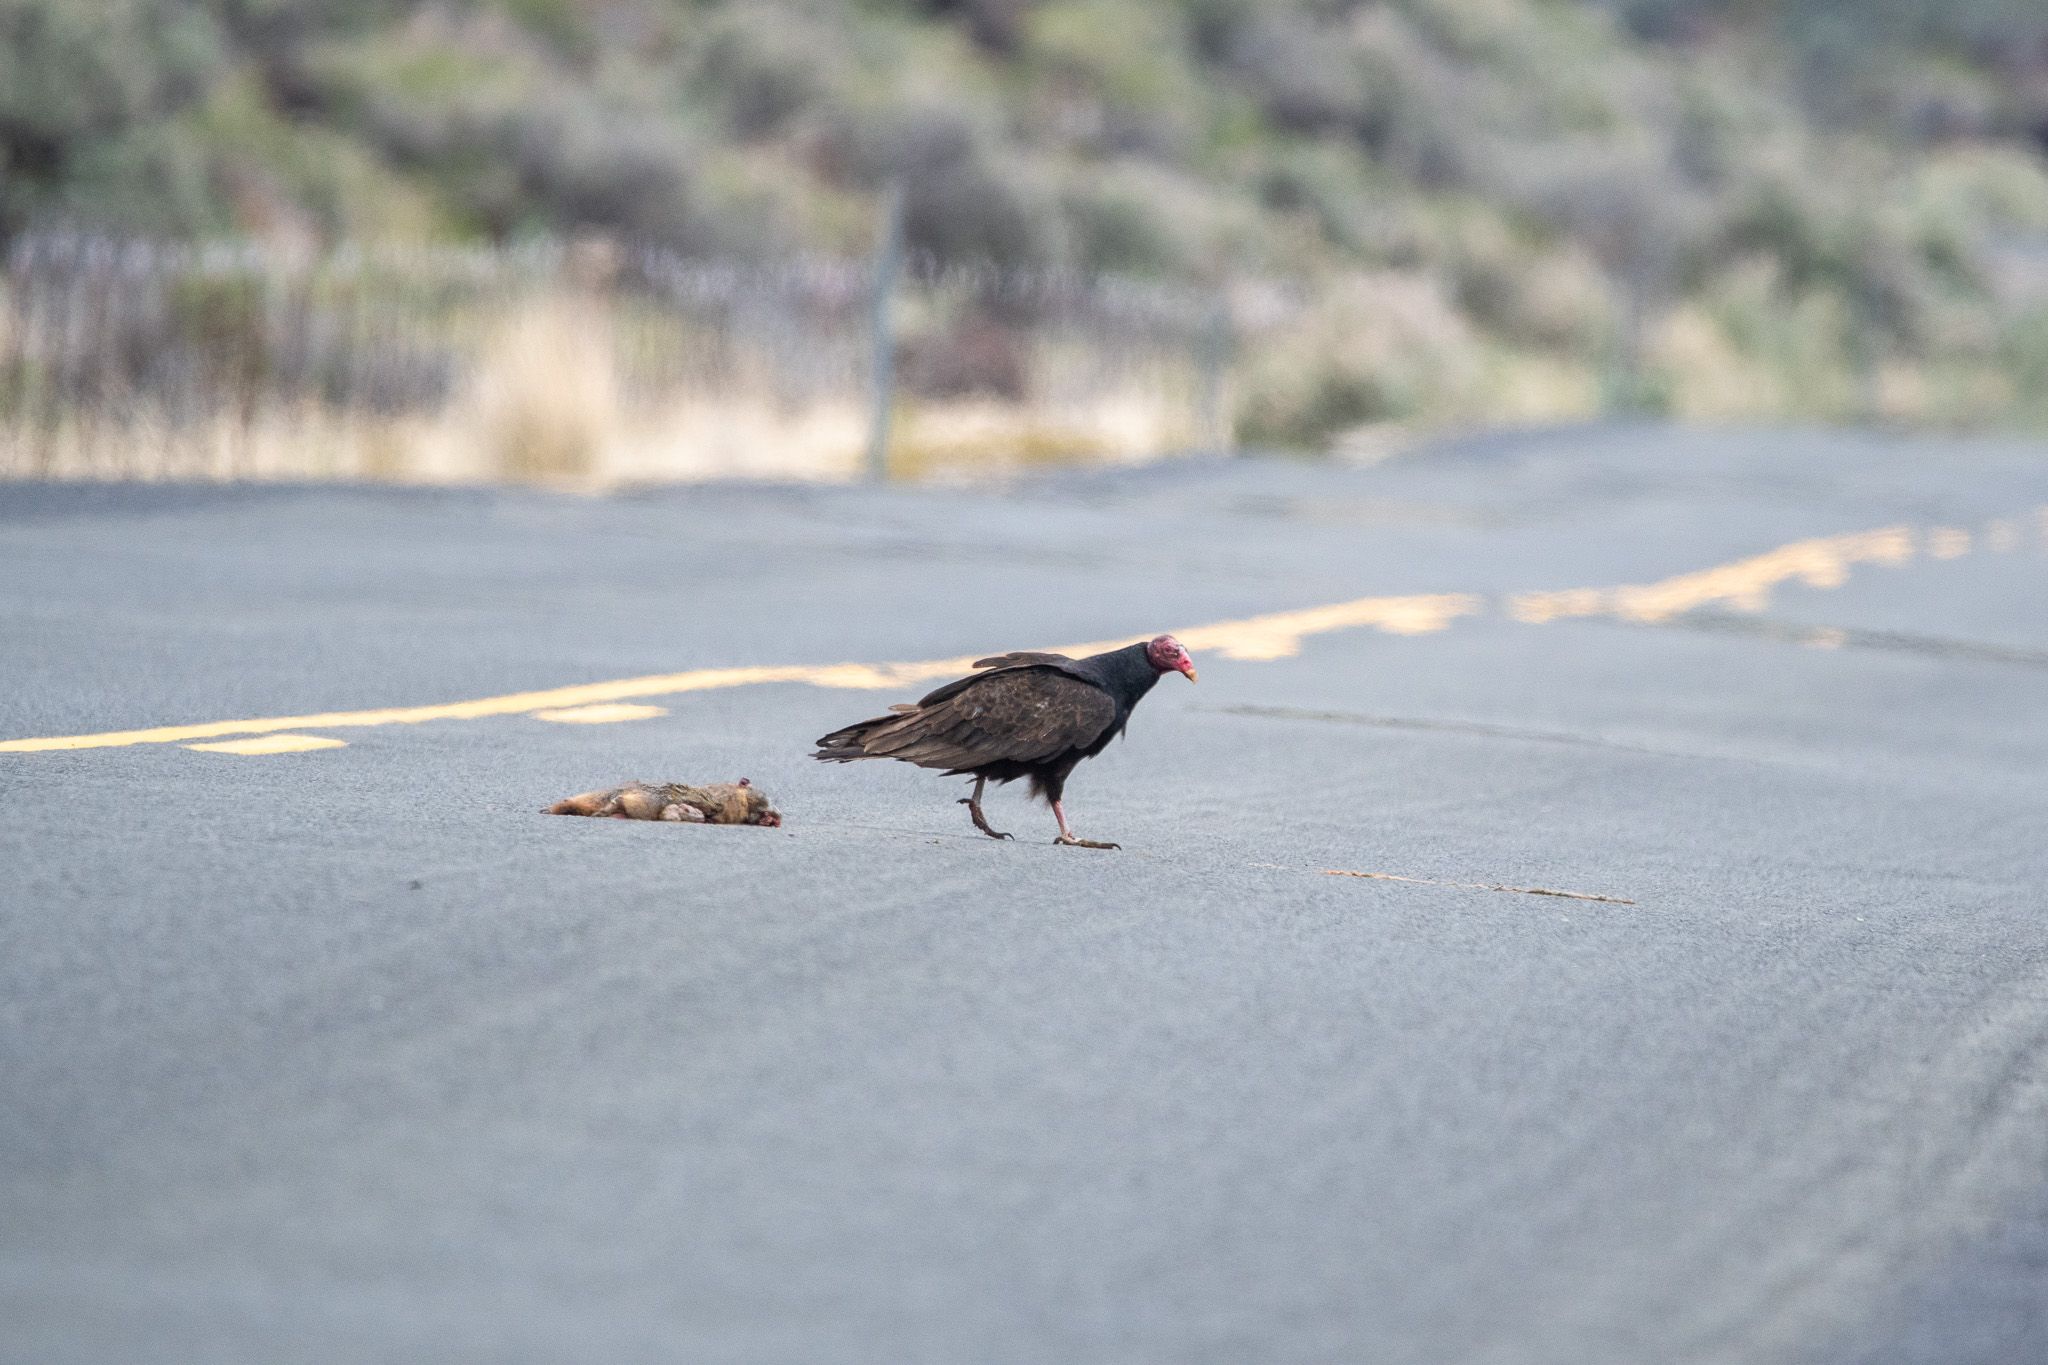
(1825,637)
(602,713)
(1948,542)
(1279,635)
(1744,585)
(272,744)
(1261,637)
(516,703)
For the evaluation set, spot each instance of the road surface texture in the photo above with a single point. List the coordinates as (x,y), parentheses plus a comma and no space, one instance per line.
(345,1053)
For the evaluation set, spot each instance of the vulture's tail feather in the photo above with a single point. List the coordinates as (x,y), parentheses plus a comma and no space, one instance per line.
(844,746)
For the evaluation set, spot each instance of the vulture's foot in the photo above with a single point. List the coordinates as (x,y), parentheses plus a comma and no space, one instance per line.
(981,821)
(1067,835)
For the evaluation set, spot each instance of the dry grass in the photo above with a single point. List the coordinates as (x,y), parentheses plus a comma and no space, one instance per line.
(564,388)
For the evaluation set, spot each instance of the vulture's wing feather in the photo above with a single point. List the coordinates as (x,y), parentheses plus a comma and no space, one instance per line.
(995,663)
(1021,657)
(1025,715)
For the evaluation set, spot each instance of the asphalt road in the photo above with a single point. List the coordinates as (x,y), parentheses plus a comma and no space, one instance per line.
(350,1055)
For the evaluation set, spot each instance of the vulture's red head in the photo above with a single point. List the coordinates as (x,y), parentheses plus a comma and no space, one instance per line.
(1166,655)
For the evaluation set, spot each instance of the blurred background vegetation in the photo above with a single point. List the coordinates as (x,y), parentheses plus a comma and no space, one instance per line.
(1422,213)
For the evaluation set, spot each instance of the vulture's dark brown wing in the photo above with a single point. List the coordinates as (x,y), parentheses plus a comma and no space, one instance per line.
(1022,658)
(1019,658)
(1020,714)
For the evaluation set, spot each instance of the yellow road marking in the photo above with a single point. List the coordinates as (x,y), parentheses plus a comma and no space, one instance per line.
(272,744)
(1744,585)
(516,703)
(1948,542)
(1262,637)
(1279,635)
(602,713)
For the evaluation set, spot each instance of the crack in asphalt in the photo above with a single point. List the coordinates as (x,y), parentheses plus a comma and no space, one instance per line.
(1850,637)
(1479,886)
(1484,729)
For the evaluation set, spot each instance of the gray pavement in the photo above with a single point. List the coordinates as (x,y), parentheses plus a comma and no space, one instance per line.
(350,1055)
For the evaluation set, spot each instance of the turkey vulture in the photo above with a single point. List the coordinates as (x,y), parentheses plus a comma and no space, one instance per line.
(1023,715)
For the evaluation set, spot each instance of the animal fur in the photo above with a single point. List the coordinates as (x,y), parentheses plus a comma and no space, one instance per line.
(720,803)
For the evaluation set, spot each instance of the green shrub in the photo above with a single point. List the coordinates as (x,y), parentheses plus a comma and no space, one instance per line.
(1328,401)
(1306,77)
(1126,222)
(1129,60)
(76,81)
(966,198)
(1370,348)
(765,67)
(2024,356)
(1524,164)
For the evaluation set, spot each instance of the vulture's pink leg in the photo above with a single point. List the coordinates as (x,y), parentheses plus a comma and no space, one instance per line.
(1067,836)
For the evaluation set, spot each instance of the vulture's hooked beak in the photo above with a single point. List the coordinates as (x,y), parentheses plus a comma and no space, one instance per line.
(1189,669)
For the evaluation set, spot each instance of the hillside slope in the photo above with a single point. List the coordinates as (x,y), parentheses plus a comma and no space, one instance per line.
(1505,209)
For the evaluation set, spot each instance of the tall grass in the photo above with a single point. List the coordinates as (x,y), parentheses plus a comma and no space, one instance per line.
(579,365)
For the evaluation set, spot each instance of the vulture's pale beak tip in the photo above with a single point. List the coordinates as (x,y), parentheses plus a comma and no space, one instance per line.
(1190,671)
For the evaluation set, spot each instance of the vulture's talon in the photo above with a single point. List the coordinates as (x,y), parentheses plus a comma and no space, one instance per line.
(1073,841)
(980,823)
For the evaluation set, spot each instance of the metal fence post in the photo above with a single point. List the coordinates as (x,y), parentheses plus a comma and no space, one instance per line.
(1212,350)
(1864,353)
(882,369)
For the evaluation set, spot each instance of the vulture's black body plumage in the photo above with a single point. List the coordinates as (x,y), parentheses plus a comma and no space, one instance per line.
(1022,715)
